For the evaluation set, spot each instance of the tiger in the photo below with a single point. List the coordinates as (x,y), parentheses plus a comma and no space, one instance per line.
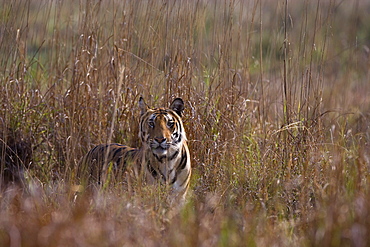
(163,157)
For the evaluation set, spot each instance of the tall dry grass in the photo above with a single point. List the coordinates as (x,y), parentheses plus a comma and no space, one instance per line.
(277,117)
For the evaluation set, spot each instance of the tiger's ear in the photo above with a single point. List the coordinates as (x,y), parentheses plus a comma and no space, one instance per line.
(177,105)
(143,106)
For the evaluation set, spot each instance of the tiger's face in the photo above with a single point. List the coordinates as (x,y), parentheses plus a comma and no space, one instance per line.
(161,130)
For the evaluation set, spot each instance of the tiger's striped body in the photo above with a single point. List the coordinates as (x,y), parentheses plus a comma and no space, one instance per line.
(164,156)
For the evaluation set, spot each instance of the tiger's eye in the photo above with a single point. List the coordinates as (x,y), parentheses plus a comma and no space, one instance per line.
(151,123)
(170,124)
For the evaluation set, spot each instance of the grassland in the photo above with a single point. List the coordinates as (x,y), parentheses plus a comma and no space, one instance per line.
(277,116)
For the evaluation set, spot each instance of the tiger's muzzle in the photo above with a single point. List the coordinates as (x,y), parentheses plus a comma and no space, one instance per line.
(160,146)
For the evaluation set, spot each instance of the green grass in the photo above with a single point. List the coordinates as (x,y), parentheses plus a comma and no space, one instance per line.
(277,117)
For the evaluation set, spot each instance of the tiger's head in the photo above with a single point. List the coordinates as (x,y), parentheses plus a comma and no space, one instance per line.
(162,129)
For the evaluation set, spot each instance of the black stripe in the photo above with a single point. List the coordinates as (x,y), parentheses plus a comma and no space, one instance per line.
(118,144)
(160,159)
(173,180)
(178,139)
(179,125)
(119,162)
(174,155)
(118,150)
(153,116)
(152,171)
(171,171)
(93,150)
(183,162)
(186,179)
(162,111)
(130,153)
(181,167)
(142,133)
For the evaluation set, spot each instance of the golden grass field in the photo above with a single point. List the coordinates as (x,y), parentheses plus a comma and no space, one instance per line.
(277,116)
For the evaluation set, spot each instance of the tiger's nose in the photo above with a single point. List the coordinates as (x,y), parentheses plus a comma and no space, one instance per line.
(160,139)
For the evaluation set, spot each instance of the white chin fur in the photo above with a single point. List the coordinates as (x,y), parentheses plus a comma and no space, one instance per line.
(160,151)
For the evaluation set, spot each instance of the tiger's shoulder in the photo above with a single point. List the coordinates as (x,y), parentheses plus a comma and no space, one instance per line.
(103,157)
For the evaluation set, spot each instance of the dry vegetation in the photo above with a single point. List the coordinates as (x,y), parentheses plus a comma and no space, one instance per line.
(277,117)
